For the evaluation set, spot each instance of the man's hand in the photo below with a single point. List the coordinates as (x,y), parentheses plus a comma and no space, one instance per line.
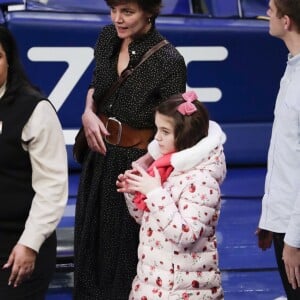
(21,261)
(291,258)
(264,238)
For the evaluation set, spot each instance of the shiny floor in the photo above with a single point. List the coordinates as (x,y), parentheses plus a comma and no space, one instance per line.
(247,272)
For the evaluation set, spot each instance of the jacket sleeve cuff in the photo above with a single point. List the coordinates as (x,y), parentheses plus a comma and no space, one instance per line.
(292,237)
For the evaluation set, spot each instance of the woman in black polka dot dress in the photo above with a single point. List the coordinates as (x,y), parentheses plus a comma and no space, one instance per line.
(106,237)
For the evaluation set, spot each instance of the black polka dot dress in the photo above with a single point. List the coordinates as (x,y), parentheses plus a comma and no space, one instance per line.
(106,237)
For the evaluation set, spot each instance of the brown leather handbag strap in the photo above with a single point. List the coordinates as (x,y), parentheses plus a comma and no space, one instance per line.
(152,51)
(128,72)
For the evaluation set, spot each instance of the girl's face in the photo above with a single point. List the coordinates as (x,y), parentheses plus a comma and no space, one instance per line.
(3,66)
(130,20)
(165,133)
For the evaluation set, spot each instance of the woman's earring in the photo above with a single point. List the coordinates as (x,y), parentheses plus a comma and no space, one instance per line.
(149,20)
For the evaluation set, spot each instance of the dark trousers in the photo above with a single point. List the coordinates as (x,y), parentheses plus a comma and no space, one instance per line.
(278,246)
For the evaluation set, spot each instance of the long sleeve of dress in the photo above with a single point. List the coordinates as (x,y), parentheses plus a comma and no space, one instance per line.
(43,139)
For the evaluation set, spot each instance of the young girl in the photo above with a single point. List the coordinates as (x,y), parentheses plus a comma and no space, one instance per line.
(177,204)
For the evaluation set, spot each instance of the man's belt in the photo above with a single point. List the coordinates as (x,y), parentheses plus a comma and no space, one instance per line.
(123,135)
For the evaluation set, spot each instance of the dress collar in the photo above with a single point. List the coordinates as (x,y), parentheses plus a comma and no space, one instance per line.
(294,60)
(137,47)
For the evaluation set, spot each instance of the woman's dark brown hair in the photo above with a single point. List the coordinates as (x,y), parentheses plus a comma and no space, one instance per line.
(189,130)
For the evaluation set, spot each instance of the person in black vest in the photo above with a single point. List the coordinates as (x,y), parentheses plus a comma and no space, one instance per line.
(33,180)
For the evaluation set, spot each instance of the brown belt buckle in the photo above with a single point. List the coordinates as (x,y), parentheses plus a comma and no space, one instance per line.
(114,127)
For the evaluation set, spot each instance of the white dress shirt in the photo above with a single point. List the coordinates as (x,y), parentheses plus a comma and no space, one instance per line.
(281,201)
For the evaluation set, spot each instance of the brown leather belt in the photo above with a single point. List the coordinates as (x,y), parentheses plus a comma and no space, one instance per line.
(124,135)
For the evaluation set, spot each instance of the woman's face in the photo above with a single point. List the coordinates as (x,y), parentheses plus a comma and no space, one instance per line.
(130,20)
(165,133)
(3,66)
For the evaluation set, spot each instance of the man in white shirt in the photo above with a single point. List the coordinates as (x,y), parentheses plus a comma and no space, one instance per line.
(280,217)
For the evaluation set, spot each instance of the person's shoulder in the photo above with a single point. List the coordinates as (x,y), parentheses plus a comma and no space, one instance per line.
(170,57)
(29,94)
(110,28)
(27,99)
(169,50)
(45,108)
(292,95)
(106,34)
(107,31)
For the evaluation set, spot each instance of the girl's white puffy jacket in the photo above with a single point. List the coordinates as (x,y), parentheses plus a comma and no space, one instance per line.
(178,256)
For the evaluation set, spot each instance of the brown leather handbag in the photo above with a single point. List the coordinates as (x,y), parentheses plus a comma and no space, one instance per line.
(80,147)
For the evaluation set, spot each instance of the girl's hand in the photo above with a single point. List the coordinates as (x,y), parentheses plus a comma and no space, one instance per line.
(122,184)
(94,131)
(141,181)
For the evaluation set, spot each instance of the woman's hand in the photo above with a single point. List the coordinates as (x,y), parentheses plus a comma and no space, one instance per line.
(141,181)
(21,261)
(94,131)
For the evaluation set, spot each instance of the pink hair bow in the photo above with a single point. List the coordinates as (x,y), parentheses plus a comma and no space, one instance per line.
(187,108)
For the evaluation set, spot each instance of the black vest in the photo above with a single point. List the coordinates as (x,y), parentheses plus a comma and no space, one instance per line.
(16,191)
